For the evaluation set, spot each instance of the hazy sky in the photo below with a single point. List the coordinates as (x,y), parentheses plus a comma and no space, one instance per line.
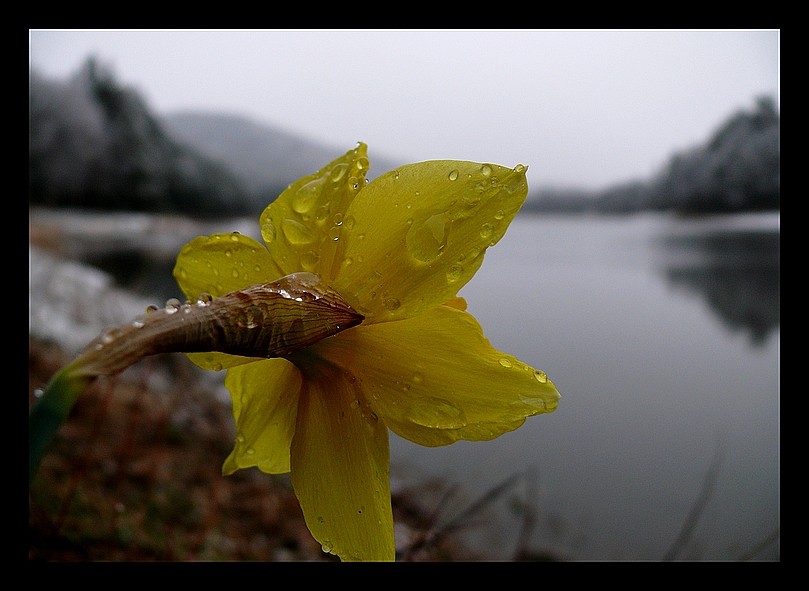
(580,108)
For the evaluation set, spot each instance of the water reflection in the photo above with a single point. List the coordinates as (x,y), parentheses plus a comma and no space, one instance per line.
(735,271)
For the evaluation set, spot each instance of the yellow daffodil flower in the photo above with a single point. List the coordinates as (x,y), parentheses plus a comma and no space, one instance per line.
(397,250)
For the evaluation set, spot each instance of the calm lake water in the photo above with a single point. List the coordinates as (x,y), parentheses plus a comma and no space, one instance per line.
(663,338)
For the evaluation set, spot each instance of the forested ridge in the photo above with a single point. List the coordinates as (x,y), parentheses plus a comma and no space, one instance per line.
(95,144)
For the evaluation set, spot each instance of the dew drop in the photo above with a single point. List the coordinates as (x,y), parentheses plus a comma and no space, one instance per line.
(334,233)
(216,367)
(234,273)
(453,175)
(541,376)
(391,304)
(309,259)
(306,196)
(257,268)
(500,214)
(486,170)
(234,236)
(418,378)
(355,404)
(39,393)
(322,213)
(338,172)
(204,299)
(268,232)
(486,231)
(250,451)
(109,335)
(505,362)
(151,308)
(338,219)
(471,200)
(296,233)
(437,413)
(520,168)
(454,272)
(172,305)
(427,240)
(327,547)
(138,324)
(240,438)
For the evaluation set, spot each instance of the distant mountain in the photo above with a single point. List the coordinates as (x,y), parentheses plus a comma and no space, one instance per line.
(737,169)
(94,144)
(264,158)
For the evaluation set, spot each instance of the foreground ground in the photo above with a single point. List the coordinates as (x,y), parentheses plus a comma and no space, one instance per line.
(135,475)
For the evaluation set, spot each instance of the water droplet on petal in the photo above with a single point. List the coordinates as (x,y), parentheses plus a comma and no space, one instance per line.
(338,172)
(541,376)
(306,197)
(454,272)
(334,233)
(426,240)
(151,308)
(296,233)
(392,304)
(505,362)
(204,299)
(520,168)
(437,413)
(268,232)
(486,231)
(486,170)
(500,214)
(453,175)
(172,305)
(309,259)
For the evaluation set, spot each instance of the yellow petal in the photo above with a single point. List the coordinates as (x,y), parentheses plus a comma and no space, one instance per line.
(222,263)
(435,379)
(304,225)
(340,466)
(265,398)
(214,361)
(419,233)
